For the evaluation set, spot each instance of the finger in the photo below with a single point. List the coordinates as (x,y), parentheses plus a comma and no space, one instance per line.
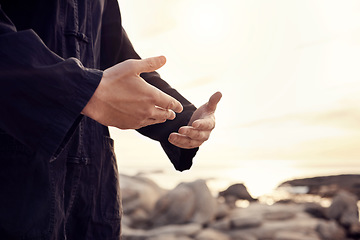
(162,114)
(150,121)
(159,116)
(183,141)
(150,64)
(206,124)
(194,133)
(165,101)
(214,100)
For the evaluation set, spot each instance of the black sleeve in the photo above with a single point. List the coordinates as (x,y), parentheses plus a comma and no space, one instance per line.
(116,47)
(41,94)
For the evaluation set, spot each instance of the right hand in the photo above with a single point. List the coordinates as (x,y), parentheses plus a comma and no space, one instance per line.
(124,100)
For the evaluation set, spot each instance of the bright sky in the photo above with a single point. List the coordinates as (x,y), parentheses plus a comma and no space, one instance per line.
(289,72)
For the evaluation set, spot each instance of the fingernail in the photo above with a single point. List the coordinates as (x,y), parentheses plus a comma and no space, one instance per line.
(172,115)
(183,131)
(180,109)
(162,60)
(171,138)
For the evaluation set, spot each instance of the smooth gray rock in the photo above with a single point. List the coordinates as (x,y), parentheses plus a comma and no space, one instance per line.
(211,234)
(316,210)
(169,237)
(190,229)
(279,216)
(175,207)
(239,191)
(222,210)
(344,209)
(330,230)
(292,235)
(205,203)
(329,186)
(222,224)
(139,192)
(246,222)
(188,202)
(185,230)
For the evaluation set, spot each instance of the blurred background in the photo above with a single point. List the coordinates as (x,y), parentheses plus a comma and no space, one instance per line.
(289,72)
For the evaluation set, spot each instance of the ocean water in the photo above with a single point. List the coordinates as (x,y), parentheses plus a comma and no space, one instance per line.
(138,155)
(260,177)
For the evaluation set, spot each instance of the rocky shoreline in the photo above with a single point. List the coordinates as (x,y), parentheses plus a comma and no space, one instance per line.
(191,212)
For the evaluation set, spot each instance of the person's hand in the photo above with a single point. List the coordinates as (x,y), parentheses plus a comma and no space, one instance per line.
(124,100)
(200,126)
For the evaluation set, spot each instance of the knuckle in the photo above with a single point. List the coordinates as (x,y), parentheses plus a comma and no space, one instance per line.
(194,134)
(191,134)
(170,105)
(212,123)
(162,118)
(157,94)
(150,98)
(198,134)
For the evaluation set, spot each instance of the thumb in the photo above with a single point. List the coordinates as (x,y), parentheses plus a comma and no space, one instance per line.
(150,64)
(213,101)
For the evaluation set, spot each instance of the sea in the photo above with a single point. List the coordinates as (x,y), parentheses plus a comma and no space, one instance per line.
(262,178)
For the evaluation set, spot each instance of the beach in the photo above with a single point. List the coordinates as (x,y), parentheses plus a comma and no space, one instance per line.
(321,208)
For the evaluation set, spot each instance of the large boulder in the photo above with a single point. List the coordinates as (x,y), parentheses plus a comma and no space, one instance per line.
(344,209)
(328,186)
(205,203)
(139,196)
(175,207)
(330,230)
(316,210)
(236,192)
(188,202)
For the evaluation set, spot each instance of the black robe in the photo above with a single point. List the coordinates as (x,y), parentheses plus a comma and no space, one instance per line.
(58,174)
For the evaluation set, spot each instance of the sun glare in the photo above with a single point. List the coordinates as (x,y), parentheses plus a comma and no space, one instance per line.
(288,71)
(204,21)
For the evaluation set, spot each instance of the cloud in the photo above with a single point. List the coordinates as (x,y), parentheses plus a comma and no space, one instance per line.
(345,118)
(324,137)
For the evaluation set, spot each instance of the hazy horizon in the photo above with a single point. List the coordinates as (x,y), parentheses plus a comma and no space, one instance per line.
(289,72)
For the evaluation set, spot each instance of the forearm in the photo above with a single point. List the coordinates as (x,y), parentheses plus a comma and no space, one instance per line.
(41,94)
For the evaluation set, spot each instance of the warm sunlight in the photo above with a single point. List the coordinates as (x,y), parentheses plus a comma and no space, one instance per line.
(205,22)
(288,71)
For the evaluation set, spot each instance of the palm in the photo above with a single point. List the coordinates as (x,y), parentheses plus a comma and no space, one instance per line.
(200,125)
(206,111)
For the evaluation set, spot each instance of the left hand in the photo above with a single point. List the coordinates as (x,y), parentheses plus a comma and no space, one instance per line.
(200,126)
